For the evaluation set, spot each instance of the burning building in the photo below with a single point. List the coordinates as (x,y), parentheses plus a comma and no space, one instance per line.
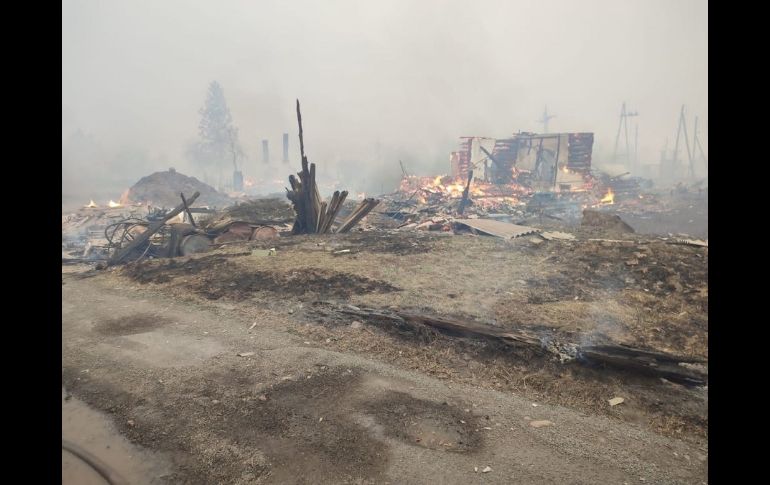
(543,162)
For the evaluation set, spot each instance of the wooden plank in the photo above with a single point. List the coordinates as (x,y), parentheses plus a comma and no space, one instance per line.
(321,214)
(329,212)
(335,210)
(362,210)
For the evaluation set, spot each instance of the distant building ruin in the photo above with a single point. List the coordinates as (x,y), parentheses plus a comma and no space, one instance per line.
(543,161)
(265,152)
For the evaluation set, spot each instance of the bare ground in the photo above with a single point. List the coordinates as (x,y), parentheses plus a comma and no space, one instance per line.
(324,401)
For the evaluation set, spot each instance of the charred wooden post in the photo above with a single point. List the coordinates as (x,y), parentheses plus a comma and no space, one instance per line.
(464,201)
(187,210)
(304,192)
(315,216)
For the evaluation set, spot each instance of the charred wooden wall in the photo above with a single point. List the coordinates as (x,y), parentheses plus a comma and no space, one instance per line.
(580,148)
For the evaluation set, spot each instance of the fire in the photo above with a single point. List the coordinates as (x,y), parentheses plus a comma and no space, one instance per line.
(124,200)
(477,191)
(248,182)
(454,189)
(609,198)
(565,169)
(113,204)
(361,195)
(428,190)
(91,204)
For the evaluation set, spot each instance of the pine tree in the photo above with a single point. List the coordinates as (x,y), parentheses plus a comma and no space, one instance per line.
(218,143)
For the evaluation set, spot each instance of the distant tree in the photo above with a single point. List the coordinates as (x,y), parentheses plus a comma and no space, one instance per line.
(234,149)
(217,142)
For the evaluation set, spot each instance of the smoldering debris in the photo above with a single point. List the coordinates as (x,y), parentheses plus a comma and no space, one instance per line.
(619,357)
(538,183)
(551,203)
(132,232)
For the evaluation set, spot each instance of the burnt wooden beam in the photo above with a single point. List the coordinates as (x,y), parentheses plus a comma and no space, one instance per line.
(464,200)
(361,211)
(187,209)
(618,357)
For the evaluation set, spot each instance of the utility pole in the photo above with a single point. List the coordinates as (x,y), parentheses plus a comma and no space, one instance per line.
(636,147)
(623,125)
(682,128)
(545,118)
(403,169)
(696,144)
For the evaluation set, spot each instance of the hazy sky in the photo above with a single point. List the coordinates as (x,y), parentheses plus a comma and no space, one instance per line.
(407,76)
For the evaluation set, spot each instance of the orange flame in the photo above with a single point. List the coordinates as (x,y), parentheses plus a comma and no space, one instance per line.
(609,198)
(454,189)
(113,204)
(124,200)
(91,204)
(486,195)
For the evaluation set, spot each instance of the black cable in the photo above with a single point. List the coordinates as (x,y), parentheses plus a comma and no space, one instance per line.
(112,477)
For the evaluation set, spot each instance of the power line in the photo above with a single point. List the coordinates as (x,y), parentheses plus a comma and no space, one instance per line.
(545,118)
(623,126)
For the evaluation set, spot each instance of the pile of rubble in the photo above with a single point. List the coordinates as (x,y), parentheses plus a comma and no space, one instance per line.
(83,232)
(128,234)
(257,219)
(484,205)
(435,204)
(162,189)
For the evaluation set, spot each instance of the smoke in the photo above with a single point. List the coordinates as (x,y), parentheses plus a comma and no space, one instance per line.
(378,81)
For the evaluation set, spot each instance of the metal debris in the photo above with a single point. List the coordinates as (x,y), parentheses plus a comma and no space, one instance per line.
(557,235)
(504,230)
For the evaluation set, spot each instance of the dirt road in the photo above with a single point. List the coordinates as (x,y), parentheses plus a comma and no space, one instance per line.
(168,374)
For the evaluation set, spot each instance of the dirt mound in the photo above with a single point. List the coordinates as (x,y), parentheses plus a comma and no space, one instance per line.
(610,222)
(163,189)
